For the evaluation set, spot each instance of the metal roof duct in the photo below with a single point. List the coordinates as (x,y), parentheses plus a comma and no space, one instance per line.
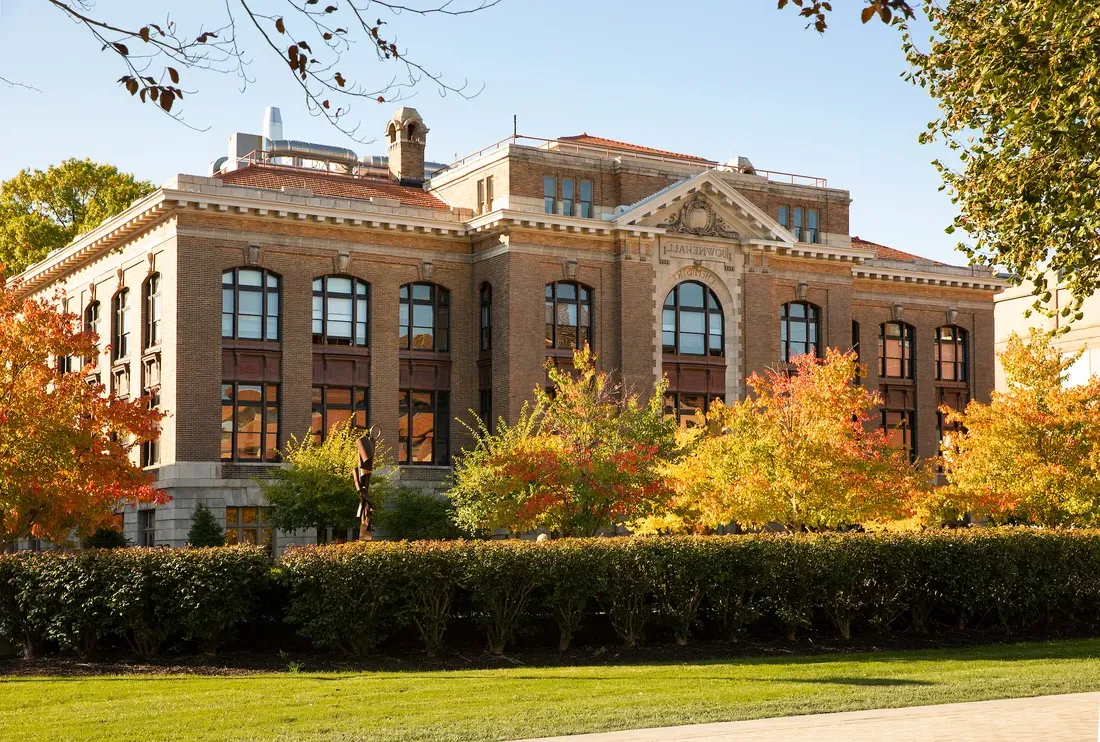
(309,151)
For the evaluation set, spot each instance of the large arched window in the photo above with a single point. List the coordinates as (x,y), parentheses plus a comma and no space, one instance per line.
(485,318)
(951,353)
(568,315)
(250,304)
(799,330)
(341,311)
(895,350)
(120,325)
(152,307)
(691,321)
(425,317)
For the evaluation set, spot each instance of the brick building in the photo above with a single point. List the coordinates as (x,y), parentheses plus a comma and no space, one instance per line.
(356,287)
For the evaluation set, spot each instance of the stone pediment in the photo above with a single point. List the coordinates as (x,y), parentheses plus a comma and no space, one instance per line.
(705,206)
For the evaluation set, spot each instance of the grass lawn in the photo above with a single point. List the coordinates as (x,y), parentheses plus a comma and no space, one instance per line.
(526,702)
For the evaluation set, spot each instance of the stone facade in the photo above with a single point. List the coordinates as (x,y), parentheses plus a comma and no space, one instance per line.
(650,221)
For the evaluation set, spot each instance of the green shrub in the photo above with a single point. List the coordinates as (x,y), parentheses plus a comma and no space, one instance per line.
(205,530)
(412,515)
(500,577)
(351,597)
(345,597)
(107,538)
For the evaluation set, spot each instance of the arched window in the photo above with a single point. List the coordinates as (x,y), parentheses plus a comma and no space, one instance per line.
(568,315)
(151,300)
(951,354)
(91,324)
(799,330)
(895,350)
(486,317)
(341,311)
(692,322)
(120,325)
(425,317)
(250,304)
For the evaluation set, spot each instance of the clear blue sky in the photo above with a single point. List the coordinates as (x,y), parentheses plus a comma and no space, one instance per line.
(717,79)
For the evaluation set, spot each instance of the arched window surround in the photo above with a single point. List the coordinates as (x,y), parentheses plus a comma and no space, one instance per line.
(341,311)
(692,321)
(799,330)
(569,315)
(424,317)
(251,308)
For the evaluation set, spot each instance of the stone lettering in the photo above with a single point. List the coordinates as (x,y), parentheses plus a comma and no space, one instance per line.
(715,253)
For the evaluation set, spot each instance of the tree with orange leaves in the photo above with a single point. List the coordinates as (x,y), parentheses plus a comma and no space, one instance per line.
(65,445)
(1032,455)
(798,452)
(580,460)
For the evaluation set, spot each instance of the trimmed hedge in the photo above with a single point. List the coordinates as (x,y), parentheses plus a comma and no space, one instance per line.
(351,598)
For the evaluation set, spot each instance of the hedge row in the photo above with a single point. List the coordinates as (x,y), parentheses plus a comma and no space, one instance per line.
(352,597)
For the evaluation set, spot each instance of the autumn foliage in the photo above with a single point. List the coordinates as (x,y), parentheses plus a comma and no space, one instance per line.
(581,459)
(799,451)
(1032,455)
(65,444)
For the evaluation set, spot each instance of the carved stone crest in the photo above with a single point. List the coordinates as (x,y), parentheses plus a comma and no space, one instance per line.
(698,217)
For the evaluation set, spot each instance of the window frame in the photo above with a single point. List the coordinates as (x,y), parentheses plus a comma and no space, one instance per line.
(550,194)
(147,527)
(266,291)
(265,406)
(960,365)
(584,205)
(553,302)
(907,338)
(786,321)
(120,325)
(323,338)
(322,408)
(439,298)
(907,425)
(236,526)
(485,318)
(706,310)
(801,221)
(441,431)
(676,408)
(152,307)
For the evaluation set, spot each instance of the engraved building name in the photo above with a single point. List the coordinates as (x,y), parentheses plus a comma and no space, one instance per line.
(716,253)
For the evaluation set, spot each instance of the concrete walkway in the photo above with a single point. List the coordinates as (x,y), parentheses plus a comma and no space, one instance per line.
(1068,718)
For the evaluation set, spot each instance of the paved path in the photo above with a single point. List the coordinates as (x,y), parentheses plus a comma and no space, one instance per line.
(1068,718)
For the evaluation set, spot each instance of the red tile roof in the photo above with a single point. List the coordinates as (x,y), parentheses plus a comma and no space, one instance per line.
(613,144)
(889,253)
(275,177)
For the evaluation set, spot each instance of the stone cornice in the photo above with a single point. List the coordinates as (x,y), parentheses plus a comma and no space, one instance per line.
(962,279)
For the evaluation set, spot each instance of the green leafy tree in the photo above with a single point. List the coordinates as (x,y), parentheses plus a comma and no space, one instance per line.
(205,530)
(316,489)
(578,461)
(1032,454)
(1016,86)
(41,211)
(799,452)
(107,538)
(411,515)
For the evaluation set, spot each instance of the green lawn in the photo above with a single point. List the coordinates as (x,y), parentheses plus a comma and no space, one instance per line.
(526,702)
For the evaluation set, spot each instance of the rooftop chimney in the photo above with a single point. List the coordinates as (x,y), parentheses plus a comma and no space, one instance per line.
(405,137)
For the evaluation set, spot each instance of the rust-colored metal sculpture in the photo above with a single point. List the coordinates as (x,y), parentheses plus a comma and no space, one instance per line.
(366,447)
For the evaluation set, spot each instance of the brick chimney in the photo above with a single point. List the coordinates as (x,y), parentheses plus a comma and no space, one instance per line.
(405,136)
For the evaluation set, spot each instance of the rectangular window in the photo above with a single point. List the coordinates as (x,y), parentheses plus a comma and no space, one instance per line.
(895,347)
(333,405)
(485,407)
(899,427)
(688,410)
(796,223)
(120,342)
(150,450)
(489,193)
(480,197)
(567,197)
(152,311)
(250,422)
(956,399)
(585,202)
(783,219)
(549,194)
(248,525)
(147,527)
(812,234)
(423,423)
